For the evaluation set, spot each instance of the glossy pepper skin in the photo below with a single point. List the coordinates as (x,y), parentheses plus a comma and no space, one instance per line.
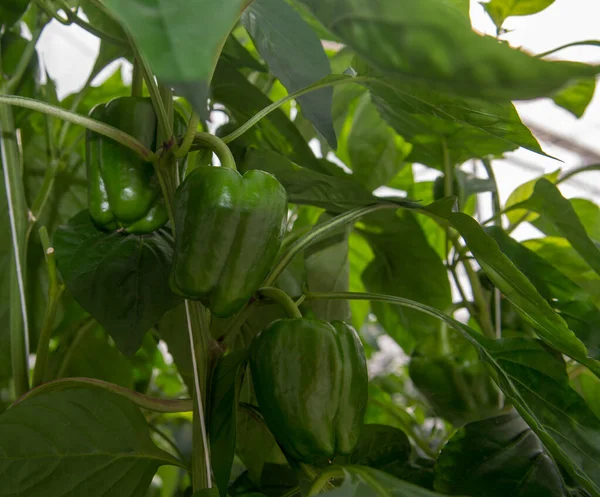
(310,379)
(229,229)
(123,190)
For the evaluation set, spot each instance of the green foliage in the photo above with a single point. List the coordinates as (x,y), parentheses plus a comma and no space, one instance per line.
(482,348)
(132,271)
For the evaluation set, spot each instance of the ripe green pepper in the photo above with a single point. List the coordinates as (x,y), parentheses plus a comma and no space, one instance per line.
(310,380)
(229,229)
(123,189)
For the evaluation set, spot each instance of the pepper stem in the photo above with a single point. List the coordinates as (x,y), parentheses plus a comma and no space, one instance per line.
(218,146)
(283,299)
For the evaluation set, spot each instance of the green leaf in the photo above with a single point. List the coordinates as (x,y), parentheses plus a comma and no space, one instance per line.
(503,450)
(79,442)
(431,41)
(361,481)
(554,208)
(172,35)
(522,193)
(236,54)
(255,445)
(573,303)
(223,407)
(576,97)
(328,270)
(281,36)
(558,252)
(92,357)
(335,194)
(274,132)
(11,11)
(499,10)
(457,390)
(434,122)
(381,447)
(405,265)
(375,151)
(121,280)
(173,329)
(520,291)
(536,382)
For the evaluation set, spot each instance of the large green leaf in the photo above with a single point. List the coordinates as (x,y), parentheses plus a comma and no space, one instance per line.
(502,450)
(405,265)
(520,291)
(382,447)
(77,442)
(558,252)
(573,303)
(282,36)
(90,356)
(333,193)
(172,35)
(553,208)
(121,280)
(458,390)
(499,10)
(522,193)
(535,381)
(441,126)
(375,151)
(432,41)
(274,132)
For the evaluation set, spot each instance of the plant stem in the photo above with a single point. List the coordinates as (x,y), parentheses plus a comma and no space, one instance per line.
(322,481)
(157,102)
(578,170)
(283,299)
(147,402)
(54,292)
(91,124)
(17,213)
(182,150)
(218,146)
(199,341)
(319,231)
(73,18)
(24,61)
(496,207)
(137,80)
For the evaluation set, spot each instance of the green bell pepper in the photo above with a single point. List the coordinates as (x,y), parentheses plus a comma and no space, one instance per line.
(123,189)
(229,229)
(310,379)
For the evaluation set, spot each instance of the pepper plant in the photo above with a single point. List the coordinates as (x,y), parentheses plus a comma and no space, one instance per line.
(224,278)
